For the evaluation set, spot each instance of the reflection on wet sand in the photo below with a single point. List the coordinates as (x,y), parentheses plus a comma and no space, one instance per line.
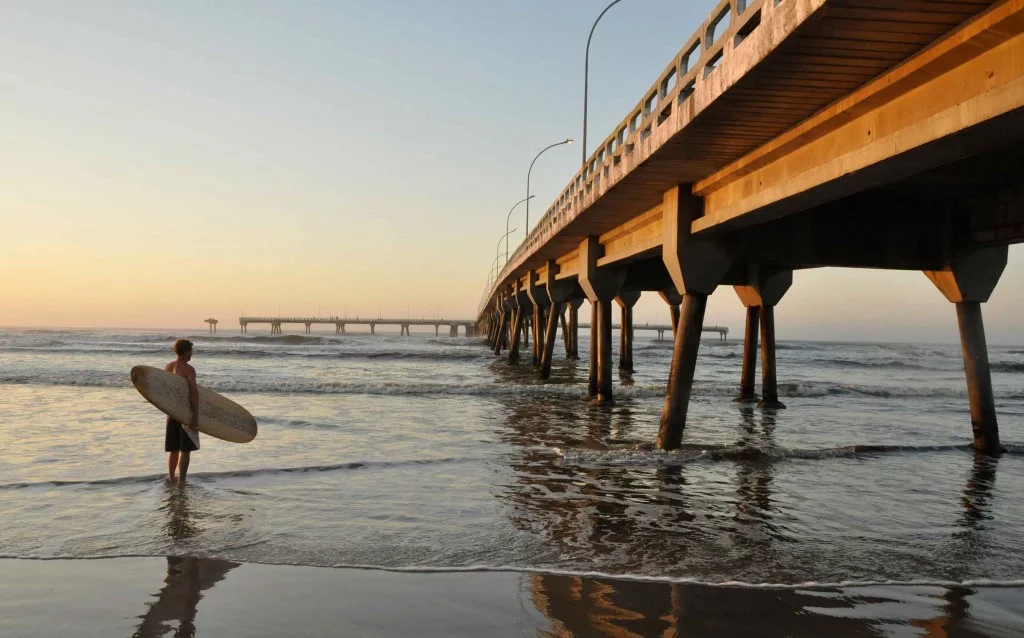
(579,606)
(635,516)
(173,613)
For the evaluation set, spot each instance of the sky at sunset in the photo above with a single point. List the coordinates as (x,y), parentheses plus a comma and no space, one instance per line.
(161,163)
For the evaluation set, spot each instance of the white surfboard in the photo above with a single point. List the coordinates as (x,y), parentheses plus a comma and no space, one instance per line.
(219,416)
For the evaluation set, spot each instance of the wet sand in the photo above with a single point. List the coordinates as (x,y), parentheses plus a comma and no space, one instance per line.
(184,596)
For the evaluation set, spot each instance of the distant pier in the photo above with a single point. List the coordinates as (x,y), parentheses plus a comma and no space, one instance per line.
(213,324)
(661,329)
(340,324)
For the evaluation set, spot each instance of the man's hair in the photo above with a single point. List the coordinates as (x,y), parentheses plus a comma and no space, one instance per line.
(182,347)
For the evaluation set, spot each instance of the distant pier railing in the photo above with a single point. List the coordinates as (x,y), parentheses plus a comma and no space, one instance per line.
(340,323)
(661,329)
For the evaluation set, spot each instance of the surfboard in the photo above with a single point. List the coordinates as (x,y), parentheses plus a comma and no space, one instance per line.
(219,416)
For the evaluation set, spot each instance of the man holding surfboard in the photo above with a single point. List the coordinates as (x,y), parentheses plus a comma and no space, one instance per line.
(181,439)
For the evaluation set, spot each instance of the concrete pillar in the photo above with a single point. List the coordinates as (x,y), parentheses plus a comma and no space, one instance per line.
(764,289)
(697,265)
(538,338)
(308,327)
(769,385)
(557,292)
(537,292)
(747,394)
(517,331)
(684,364)
(979,377)
(373,328)
(604,351)
(673,299)
(968,281)
(626,300)
(574,325)
(498,333)
(600,287)
(565,332)
(554,312)
(592,379)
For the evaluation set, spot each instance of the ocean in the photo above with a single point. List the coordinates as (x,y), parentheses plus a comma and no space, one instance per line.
(430,454)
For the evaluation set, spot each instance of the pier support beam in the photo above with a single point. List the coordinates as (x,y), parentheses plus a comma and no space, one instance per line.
(541,301)
(769,381)
(499,337)
(747,394)
(626,300)
(574,327)
(554,312)
(600,287)
(518,331)
(764,290)
(565,331)
(673,299)
(558,293)
(968,282)
(696,265)
(680,377)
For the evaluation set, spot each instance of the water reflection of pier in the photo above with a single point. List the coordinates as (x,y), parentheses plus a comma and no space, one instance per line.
(712,520)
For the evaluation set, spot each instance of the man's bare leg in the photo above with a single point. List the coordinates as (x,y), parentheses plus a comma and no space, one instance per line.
(172,462)
(183,465)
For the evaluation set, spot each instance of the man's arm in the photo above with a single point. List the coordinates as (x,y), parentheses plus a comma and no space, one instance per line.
(193,397)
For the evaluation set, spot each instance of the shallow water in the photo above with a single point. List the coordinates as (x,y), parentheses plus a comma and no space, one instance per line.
(430,453)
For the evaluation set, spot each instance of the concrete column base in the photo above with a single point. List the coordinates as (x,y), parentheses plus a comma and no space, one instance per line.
(684,363)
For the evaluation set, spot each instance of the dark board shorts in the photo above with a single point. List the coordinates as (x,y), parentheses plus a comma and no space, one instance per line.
(176,440)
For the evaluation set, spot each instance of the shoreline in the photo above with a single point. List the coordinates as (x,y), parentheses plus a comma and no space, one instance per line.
(970,583)
(173,595)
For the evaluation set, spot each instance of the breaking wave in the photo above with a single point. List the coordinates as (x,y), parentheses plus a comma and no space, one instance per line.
(230,384)
(212,476)
(648,455)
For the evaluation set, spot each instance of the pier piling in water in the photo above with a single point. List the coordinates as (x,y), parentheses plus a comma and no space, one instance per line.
(554,312)
(574,326)
(626,300)
(680,378)
(968,281)
(747,394)
(769,383)
(984,424)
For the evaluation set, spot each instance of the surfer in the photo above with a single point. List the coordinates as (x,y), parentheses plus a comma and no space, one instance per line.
(177,442)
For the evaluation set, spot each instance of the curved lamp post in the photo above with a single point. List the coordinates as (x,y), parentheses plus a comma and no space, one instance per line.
(509,217)
(528,196)
(497,250)
(586,77)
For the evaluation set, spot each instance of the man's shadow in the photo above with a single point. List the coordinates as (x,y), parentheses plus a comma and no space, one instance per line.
(173,613)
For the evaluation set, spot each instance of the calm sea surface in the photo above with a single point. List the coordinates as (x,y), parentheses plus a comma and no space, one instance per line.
(430,453)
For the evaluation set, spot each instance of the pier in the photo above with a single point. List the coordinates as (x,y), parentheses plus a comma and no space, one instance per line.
(661,329)
(786,134)
(340,323)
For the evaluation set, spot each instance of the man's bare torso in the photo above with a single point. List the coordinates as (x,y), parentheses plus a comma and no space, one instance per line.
(181,369)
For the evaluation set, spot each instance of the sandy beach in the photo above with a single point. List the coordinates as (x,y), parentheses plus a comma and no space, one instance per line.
(184,596)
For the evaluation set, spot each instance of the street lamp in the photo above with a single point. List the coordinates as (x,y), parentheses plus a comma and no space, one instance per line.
(566,141)
(586,77)
(497,250)
(507,218)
